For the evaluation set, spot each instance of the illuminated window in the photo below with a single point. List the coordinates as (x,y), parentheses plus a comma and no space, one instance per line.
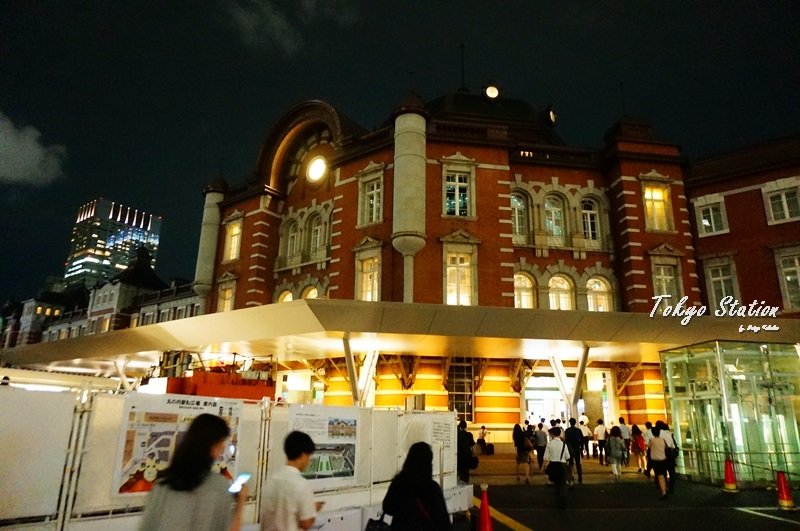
(519,219)
(368,279)
(561,293)
(657,210)
(459,279)
(226,296)
(524,291)
(57,312)
(38,310)
(134,321)
(590,216)
(460,387)
(554,220)
(285,296)
(665,281)
(310,293)
(104,325)
(48,311)
(598,294)
(233,240)
(457,194)
(370,192)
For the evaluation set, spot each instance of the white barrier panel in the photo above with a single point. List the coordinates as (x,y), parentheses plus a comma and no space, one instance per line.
(35,431)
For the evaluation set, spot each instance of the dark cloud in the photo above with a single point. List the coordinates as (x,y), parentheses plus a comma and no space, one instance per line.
(24,159)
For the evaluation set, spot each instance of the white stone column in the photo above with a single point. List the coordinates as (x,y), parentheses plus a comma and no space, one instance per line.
(207,248)
(408,215)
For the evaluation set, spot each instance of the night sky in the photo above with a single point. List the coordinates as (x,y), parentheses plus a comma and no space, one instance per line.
(144,103)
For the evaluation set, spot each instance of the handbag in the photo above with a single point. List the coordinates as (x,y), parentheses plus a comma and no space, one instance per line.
(377,524)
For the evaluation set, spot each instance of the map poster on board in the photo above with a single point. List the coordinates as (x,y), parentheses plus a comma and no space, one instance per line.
(333,431)
(152,426)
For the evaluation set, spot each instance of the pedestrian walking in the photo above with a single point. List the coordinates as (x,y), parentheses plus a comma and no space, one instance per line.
(523,446)
(638,447)
(573,436)
(615,451)
(658,460)
(626,438)
(540,444)
(556,458)
(600,433)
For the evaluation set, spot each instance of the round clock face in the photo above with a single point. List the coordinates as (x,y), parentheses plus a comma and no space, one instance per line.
(316,169)
(491,92)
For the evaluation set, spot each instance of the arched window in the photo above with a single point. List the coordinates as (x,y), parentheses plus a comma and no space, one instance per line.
(590,216)
(561,293)
(285,296)
(519,219)
(598,292)
(292,239)
(524,291)
(554,220)
(316,235)
(310,293)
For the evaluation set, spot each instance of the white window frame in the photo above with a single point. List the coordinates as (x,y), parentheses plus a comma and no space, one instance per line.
(561,298)
(781,257)
(599,300)
(317,236)
(525,291)
(233,240)
(712,280)
(520,218)
(459,165)
(661,278)
(370,195)
(657,219)
(226,296)
(455,292)
(553,226)
(710,203)
(589,217)
(786,196)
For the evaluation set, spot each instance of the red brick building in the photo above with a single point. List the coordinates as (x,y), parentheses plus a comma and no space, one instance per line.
(746,207)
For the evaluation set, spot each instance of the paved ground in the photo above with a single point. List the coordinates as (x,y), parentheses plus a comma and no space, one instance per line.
(634,500)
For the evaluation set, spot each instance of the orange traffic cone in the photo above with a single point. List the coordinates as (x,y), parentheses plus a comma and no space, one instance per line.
(485,522)
(784,493)
(730,477)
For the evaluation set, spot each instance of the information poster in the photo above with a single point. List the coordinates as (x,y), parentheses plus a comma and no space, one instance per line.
(152,427)
(334,432)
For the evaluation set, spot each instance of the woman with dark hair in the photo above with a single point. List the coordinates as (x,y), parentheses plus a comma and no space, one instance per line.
(414,499)
(523,447)
(638,446)
(189,497)
(615,451)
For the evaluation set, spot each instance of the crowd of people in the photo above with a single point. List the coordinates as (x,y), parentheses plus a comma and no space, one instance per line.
(652,450)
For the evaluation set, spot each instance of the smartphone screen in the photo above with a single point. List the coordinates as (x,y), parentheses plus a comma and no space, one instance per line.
(241,479)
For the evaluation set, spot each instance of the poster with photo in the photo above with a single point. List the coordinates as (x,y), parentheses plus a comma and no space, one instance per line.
(152,427)
(334,432)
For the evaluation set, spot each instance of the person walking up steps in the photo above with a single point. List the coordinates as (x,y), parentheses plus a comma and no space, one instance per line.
(600,433)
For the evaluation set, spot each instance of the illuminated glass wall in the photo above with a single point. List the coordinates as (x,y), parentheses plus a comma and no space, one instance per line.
(735,400)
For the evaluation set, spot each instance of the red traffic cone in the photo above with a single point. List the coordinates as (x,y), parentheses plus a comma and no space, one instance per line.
(485,522)
(784,493)
(730,477)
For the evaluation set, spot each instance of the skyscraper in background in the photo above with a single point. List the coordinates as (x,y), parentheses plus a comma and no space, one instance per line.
(105,238)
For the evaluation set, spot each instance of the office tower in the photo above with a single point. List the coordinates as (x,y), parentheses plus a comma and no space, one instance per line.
(105,238)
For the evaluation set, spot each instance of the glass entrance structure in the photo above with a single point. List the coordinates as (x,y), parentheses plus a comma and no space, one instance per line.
(736,400)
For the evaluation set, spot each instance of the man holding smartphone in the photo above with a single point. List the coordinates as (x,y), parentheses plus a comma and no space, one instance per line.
(289,500)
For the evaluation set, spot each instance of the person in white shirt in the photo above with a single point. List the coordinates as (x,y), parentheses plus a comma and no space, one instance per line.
(557,451)
(587,434)
(600,433)
(289,499)
(626,439)
(672,454)
(583,418)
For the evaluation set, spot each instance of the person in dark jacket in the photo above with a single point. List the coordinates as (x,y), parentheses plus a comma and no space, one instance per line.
(414,500)
(464,456)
